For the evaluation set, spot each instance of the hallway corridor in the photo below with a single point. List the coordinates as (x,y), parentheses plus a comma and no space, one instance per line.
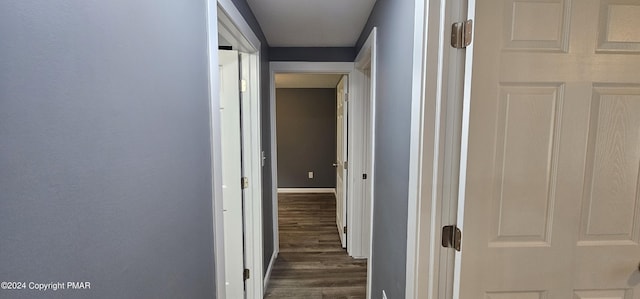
(311,263)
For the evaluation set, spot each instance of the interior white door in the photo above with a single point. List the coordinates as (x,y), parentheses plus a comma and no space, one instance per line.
(231,172)
(341,157)
(552,205)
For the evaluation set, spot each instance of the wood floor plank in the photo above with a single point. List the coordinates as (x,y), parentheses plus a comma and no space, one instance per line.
(311,263)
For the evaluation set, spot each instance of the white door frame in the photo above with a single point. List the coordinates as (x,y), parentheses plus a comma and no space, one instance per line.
(423,152)
(354,220)
(225,19)
(435,127)
(434,156)
(291,67)
(366,58)
(464,149)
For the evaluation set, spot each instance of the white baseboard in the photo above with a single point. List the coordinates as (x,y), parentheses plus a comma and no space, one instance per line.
(306,190)
(267,276)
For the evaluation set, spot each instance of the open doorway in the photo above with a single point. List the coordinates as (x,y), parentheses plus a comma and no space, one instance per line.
(359,96)
(306,131)
(312,130)
(354,124)
(311,126)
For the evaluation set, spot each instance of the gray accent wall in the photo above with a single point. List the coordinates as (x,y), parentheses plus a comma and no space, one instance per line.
(313,54)
(394,20)
(267,200)
(105,169)
(306,132)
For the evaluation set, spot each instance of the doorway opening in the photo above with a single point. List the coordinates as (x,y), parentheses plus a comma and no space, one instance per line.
(353,209)
(312,129)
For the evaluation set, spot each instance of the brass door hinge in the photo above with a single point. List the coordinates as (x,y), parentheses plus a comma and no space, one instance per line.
(245,182)
(451,237)
(246,274)
(461,34)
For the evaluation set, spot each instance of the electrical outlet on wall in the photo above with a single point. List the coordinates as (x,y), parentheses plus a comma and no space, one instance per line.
(384,295)
(310,174)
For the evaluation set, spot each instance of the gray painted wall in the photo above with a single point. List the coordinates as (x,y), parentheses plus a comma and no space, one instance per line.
(394,20)
(333,54)
(306,130)
(104,148)
(267,200)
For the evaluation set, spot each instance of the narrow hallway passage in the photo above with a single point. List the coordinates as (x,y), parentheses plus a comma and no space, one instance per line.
(311,263)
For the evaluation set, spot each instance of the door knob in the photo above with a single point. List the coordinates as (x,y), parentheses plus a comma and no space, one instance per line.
(335,164)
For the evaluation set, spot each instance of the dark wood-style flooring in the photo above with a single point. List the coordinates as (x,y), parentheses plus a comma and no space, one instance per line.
(311,263)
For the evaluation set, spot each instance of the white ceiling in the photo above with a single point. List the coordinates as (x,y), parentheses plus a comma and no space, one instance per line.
(307,80)
(312,23)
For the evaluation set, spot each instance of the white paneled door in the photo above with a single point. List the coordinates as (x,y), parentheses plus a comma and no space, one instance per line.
(341,159)
(552,205)
(231,172)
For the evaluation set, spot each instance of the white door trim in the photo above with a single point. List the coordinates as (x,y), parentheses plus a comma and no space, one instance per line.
(431,157)
(216,146)
(233,26)
(421,156)
(464,146)
(267,276)
(253,171)
(367,57)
